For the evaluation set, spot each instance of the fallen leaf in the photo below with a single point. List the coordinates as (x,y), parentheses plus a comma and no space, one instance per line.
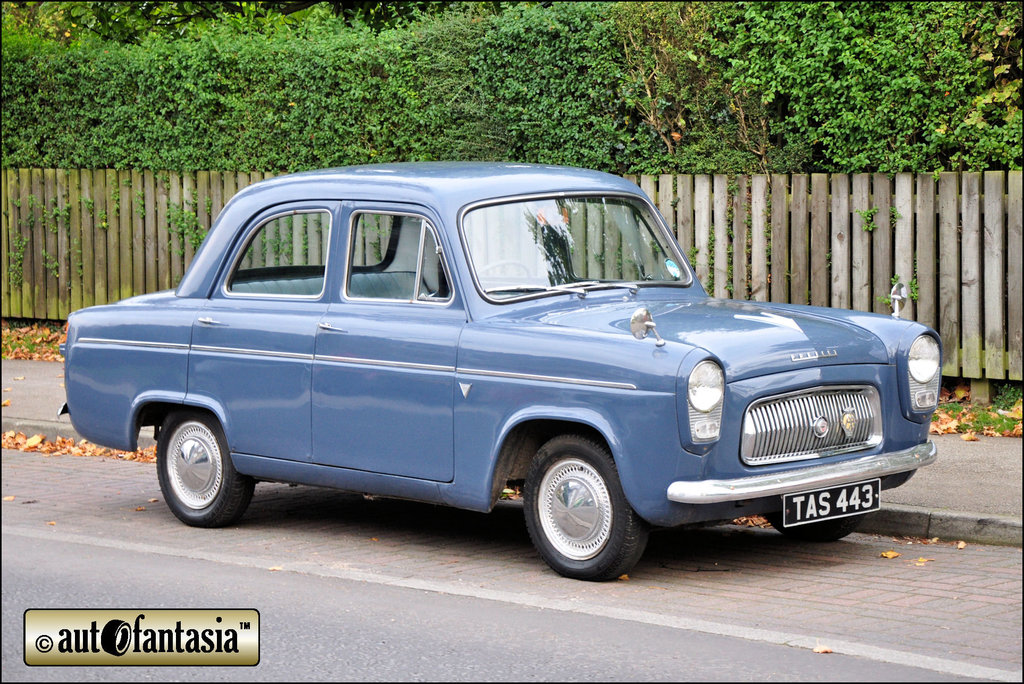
(8,498)
(969,436)
(822,649)
(35,440)
(890,554)
(140,508)
(8,389)
(6,402)
(51,522)
(20,378)
(275,568)
(374,539)
(153,500)
(624,578)
(961,545)
(922,561)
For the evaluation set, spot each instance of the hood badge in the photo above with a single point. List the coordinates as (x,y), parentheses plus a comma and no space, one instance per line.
(848,421)
(814,354)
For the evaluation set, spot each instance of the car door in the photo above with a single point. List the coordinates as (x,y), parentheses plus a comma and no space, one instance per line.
(384,373)
(253,343)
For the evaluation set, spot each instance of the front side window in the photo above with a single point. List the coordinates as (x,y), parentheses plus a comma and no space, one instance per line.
(546,245)
(286,256)
(395,257)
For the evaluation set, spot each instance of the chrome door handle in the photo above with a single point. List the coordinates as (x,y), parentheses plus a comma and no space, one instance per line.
(206,320)
(329,327)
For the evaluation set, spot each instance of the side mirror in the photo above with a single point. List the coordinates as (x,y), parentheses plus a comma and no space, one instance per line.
(641,323)
(897,296)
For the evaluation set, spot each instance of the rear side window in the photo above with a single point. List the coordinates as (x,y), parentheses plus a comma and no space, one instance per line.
(395,257)
(285,257)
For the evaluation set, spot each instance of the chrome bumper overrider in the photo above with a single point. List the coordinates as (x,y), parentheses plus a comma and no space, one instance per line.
(776,484)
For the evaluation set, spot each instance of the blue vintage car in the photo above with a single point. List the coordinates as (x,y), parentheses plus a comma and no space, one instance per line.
(437,331)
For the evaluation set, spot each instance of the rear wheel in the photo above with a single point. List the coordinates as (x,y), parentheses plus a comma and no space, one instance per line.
(198,481)
(824,531)
(576,513)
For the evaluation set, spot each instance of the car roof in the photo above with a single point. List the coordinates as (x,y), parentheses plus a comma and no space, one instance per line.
(445,187)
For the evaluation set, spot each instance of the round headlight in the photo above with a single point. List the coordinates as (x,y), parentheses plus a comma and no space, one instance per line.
(706,386)
(923,360)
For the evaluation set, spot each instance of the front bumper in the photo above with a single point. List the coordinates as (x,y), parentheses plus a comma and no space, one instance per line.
(813,477)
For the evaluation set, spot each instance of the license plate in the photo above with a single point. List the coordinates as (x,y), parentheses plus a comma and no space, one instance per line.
(828,503)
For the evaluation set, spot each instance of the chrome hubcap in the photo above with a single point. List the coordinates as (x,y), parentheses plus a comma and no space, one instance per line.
(575,509)
(195,465)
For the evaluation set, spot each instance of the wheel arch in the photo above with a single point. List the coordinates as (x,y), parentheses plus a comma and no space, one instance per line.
(526,432)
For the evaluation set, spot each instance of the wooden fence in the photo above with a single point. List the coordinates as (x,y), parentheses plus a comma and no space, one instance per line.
(81,237)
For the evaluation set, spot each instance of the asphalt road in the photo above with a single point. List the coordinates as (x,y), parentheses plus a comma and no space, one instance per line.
(377,589)
(328,628)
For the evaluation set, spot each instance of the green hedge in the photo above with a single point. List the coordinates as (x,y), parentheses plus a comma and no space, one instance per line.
(624,87)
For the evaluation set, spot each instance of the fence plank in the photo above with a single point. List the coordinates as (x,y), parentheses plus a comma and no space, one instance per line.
(100,226)
(5,247)
(970,274)
(992,274)
(702,225)
(175,219)
(149,192)
(881,243)
(841,251)
(191,217)
(163,243)
(23,253)
(860,243)
(113,231)
(949,273)
(926,252)
(780,239)
(38,272)
(740,235)
(666,199)
(88,211)
(1014,334)
(75,237)
(137,208)
(684,214)
(799,256)
(903,236)
(820,243)
(125,222)
(720,184)
(758,238)
(63,247)
(203,202)
(51,262)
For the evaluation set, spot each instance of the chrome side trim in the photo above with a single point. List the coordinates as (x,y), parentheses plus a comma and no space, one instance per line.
(786,482)
(252,352)
(548,378)
(131,343)
(388,364)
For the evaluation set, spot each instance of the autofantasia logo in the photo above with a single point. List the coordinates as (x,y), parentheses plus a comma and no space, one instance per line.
(142,637)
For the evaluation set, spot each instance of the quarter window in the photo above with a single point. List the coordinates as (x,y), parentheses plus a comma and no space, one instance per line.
(286,256)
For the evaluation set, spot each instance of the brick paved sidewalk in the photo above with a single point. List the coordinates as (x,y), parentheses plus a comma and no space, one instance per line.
(960,605)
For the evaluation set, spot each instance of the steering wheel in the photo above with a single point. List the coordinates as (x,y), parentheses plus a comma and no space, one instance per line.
(494,267)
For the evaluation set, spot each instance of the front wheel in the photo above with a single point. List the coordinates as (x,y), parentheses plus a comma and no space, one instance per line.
(823,531)
(198,481)
(576,513)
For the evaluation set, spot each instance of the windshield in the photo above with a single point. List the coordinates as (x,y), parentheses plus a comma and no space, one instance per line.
(568,244)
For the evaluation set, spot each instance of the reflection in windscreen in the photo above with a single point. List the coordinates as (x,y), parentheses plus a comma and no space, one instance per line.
(529,246)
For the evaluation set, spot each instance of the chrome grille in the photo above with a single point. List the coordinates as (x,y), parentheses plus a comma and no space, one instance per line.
(810,424)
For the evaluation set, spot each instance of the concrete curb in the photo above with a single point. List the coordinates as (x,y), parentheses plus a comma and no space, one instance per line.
(52,429)
(892,519)
(914,521)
